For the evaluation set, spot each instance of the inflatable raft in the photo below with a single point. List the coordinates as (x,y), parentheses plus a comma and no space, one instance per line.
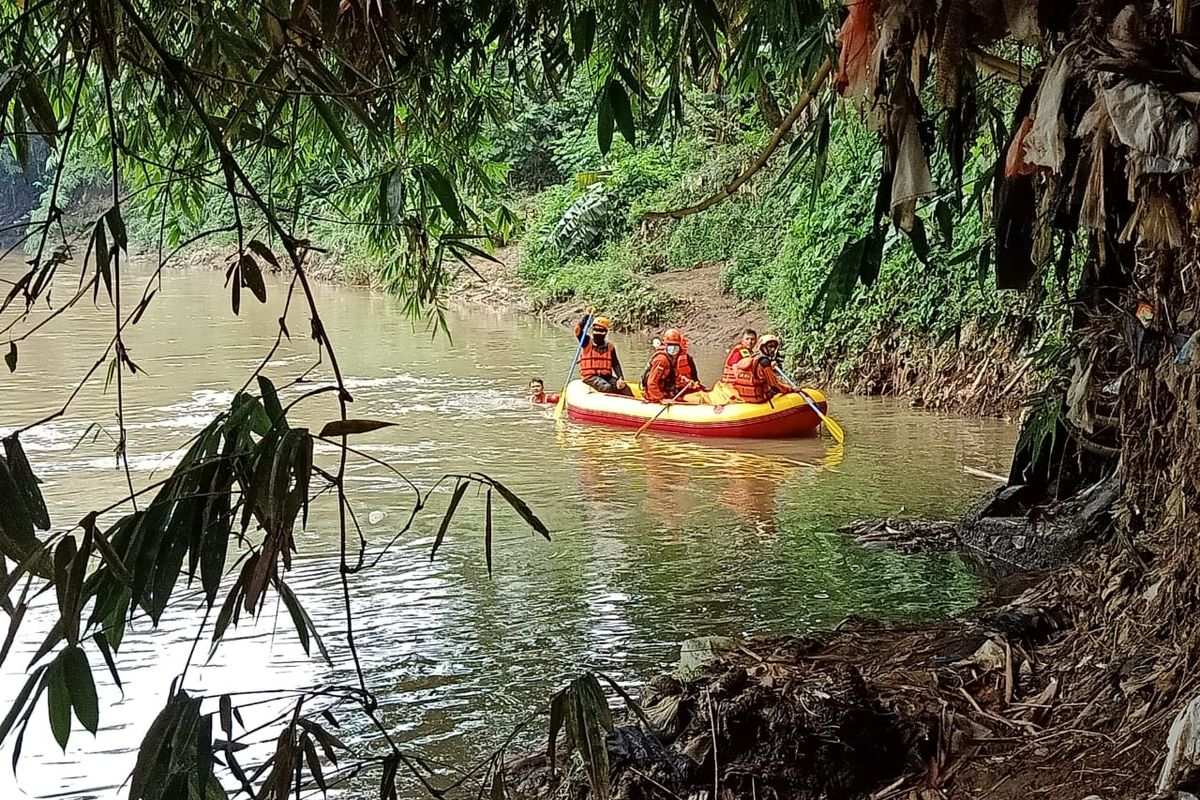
(784,417)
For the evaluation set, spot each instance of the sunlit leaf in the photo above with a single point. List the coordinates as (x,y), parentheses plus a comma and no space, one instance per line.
(346,427)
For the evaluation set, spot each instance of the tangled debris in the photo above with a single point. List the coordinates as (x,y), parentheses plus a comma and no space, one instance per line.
(905,535)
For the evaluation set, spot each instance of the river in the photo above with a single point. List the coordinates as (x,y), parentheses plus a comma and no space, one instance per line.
(655,540)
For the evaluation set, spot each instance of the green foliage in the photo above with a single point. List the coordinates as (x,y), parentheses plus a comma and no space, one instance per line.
(583,224)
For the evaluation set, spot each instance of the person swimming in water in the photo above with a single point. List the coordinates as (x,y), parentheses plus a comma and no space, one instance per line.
(539,395)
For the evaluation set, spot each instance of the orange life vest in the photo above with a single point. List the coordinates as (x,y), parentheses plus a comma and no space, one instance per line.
(736,354)
(594,362)
(683,370)
(751,384)
(663,386)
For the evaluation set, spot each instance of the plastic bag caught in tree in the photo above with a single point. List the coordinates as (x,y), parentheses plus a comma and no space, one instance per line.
(911,178)
(856,41)
(1155,123)
(1044,144)
(1014,161)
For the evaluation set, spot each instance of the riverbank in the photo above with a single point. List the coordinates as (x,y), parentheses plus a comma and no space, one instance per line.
(1002,703)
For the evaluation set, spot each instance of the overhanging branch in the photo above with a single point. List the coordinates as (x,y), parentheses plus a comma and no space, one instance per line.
(776,139)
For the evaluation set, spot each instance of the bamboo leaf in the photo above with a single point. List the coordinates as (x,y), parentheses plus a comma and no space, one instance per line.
(101,641)
(235,291)
(583,33)
(346,427)
(33,95)
(292,604)
(443,190)
(116,226)
(82,686)
(458,244)
(59,702)
(588,719)
(459,490)
(26,482)
(264,252)
(487,533)
(225,615)
(335,127)
(314,764)
(68,586)
(920,242)
(10,358)
(604,124)
(142,306)
(102,254)
(270,399)
(20,144)
(821,147)
(521,508)
(944,215)
(618,100)
(252,278)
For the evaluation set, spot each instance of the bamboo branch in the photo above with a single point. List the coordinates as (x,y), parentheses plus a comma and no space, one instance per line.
(1010,71)
(776,139)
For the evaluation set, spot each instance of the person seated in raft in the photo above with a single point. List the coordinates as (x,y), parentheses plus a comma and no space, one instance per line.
(667,376)
(599,366)
(756,380)
(539,395)
(744,348)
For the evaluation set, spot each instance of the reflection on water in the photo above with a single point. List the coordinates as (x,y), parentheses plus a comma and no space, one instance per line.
(656,539)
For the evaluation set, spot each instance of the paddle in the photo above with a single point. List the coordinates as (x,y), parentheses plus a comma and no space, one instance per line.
(650,421)
(835,430)
(562,397)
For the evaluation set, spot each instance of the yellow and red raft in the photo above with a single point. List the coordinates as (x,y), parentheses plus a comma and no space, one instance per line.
(784,417)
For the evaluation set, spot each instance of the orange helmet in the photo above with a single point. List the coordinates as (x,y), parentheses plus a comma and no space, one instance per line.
(601,324)
(672,336)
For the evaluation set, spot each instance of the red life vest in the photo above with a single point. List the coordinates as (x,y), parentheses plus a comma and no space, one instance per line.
(751,384)
(594,362)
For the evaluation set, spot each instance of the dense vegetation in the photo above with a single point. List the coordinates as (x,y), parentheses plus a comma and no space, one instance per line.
(775,242)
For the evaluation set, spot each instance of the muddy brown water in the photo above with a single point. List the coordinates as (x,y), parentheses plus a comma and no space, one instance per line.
(655,539)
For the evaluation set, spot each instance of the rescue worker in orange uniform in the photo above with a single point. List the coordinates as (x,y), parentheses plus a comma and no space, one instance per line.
(743,349)
(667,376)
(599,366)
(756,380)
